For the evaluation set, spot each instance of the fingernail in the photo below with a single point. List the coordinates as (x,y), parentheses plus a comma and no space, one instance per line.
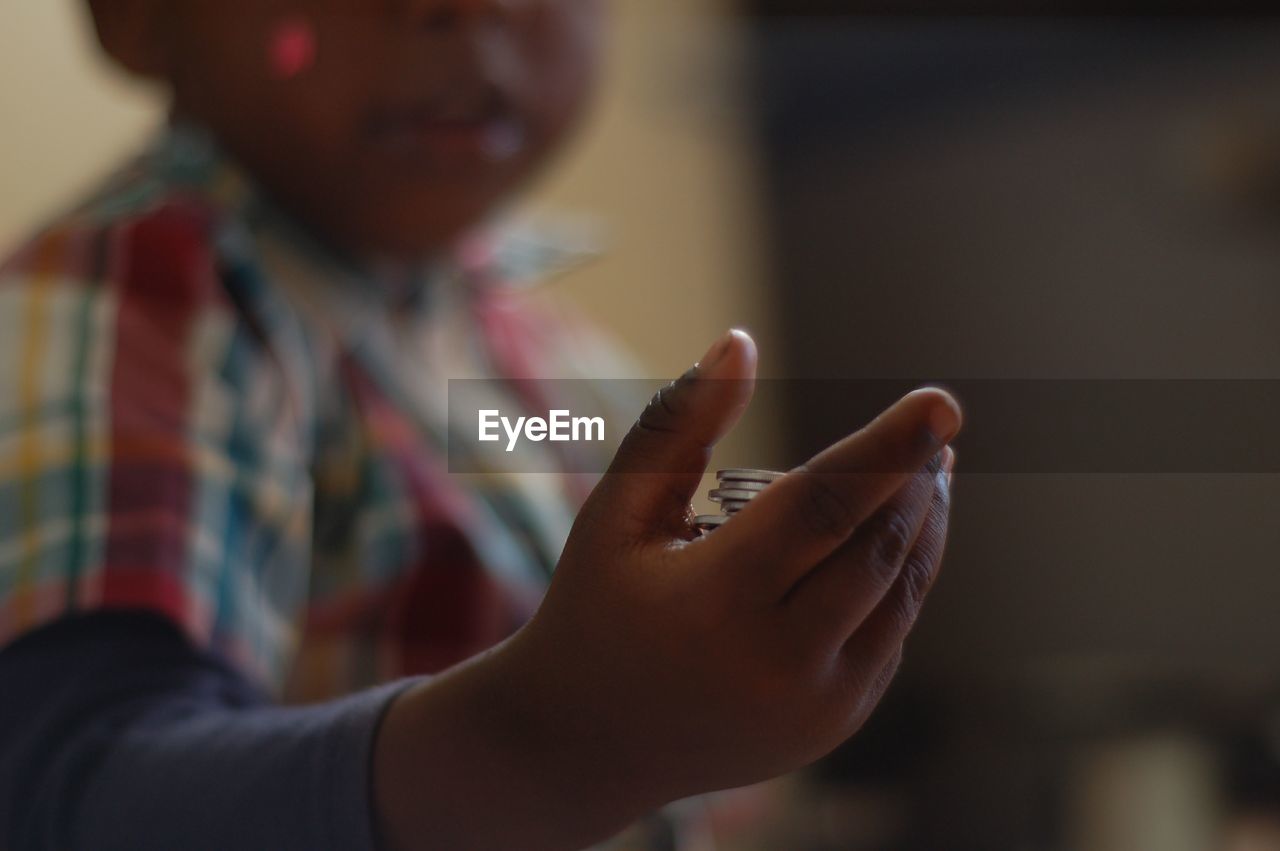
(717,351)
(944,421)
(948,463)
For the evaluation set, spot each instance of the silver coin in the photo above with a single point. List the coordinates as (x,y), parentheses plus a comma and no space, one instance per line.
(733,506)
(737,484)
(764,476)
(710,521)
(722,494)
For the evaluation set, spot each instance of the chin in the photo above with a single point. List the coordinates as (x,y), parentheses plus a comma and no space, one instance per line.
(408,216)
(419,238)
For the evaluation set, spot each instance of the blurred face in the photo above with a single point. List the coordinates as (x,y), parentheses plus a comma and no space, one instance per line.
(388,126)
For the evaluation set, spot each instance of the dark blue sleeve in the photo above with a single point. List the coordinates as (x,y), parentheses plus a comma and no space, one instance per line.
(116,733)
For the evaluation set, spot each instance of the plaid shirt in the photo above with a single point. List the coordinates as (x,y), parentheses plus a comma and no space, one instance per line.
(205,415)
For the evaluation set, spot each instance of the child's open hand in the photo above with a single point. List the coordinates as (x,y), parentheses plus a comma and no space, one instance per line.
(661,665)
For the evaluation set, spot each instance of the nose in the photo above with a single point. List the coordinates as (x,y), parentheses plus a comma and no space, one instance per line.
(443,14)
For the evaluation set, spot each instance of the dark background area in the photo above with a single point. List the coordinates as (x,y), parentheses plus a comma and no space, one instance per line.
(1045,199)
(1038,8)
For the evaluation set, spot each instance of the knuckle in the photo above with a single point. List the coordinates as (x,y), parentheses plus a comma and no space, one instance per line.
(903,614)
(891,537)
(917,577)
(665,409)
(933,536)
(826,511)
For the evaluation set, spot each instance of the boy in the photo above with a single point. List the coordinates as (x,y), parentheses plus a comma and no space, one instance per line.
(217,409)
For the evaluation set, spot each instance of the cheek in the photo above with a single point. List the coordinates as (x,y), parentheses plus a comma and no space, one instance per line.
(321,75)
(562,55)
(291,47)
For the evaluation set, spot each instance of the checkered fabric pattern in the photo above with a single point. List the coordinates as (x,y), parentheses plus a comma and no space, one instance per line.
(204,414)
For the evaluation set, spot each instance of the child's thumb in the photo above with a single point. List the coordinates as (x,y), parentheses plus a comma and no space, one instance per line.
(661,461)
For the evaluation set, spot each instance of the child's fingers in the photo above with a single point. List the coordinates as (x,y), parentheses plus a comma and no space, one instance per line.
(881,635)
(870,695)
(837,596)
(661,461)
(806,515)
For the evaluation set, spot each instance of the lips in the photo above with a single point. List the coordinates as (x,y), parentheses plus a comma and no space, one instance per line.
(460,122)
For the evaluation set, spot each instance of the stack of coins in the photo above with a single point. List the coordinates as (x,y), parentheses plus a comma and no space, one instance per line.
(736,489)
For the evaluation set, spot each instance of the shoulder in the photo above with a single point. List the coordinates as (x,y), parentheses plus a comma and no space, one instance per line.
(160,247)
(99,293)
(131,292)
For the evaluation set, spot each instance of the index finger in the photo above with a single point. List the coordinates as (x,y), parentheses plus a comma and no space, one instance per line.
(804,516)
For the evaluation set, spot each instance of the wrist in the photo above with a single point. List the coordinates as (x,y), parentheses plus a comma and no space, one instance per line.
(483,756)
(562,724)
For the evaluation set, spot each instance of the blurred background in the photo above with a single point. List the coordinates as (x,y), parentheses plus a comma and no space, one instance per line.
(972,197)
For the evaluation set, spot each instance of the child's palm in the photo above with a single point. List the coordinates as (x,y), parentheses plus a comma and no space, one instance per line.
(696,664)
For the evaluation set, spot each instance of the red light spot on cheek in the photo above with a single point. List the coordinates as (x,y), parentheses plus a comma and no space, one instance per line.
(292,48)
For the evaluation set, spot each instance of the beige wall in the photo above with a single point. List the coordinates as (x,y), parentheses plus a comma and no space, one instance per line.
(67,116)
(664,164)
